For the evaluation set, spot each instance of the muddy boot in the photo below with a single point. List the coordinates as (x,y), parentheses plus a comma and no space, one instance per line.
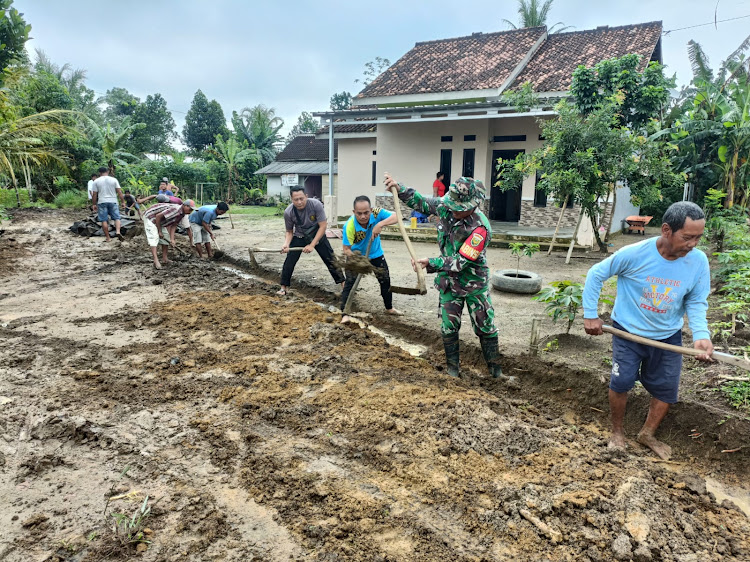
(450,343)
(492,357)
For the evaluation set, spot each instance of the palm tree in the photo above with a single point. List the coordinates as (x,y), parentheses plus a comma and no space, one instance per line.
(23,145)
(231,153)
(533,15)
(260,127)
(112,142)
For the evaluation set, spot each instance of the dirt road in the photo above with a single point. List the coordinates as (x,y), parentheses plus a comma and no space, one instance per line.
(260,428)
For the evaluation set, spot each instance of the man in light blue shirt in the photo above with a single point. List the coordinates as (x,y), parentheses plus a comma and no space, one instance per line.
(658,281)
(200,225)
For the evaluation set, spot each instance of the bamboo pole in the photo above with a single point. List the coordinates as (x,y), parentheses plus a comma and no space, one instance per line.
(559,222)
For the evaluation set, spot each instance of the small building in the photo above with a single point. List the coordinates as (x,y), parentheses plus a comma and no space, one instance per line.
(441,107)
(304,161)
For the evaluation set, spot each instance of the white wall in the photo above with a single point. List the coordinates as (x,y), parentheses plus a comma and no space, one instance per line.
(515,126)
(623,208)
(274,186)
(355,159)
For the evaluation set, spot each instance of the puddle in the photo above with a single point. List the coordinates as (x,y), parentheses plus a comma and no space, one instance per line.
(738,496)
(242,274)
(410,348)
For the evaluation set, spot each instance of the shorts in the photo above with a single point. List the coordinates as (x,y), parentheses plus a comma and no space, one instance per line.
(152,234)
(657,369)
(108,209)
(200,234)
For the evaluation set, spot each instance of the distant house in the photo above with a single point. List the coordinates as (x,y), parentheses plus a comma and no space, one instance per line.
(304,161)
(440,107)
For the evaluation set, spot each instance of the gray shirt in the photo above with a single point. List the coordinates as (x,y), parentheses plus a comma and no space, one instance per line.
(106,187)
(313,213)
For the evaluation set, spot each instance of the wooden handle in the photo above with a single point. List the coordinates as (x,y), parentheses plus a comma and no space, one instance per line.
(421,283)
(717,355)
(350,298)
(277,250)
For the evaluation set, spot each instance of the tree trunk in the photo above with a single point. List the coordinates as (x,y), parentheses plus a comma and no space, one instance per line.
(559,221)
(18,195)
(729,201)
(611,214)
(595,226)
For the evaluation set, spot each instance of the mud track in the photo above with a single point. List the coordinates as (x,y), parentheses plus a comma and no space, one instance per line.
(265,430)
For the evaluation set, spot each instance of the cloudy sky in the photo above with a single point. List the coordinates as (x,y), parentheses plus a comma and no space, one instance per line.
(293,54)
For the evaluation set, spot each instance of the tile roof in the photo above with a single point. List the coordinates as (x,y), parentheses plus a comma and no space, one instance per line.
(477,62)
(307,147)
(551,68)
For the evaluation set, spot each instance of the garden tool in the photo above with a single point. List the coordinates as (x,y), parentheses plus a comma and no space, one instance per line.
(717,355)
(421,288)
(218,254)
(253,251)
(175,246)
(350,299)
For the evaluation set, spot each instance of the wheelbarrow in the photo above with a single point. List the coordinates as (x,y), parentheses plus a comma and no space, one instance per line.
(637,224)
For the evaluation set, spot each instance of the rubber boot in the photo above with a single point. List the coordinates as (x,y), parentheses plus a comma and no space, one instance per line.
(450,343)
(492,357)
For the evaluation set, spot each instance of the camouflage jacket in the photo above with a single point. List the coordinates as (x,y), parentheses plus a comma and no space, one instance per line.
(462,266)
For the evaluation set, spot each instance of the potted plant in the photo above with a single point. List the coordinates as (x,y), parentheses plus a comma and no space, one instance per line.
(518,280)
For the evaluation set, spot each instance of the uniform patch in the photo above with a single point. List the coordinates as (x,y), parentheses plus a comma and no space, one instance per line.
(312,218)
(474,244)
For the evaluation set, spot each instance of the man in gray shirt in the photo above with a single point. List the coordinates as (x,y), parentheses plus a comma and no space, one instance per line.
(106,191)
(306,223)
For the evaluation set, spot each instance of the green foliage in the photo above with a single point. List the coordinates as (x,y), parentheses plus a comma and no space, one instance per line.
(341,101)
(532,14)
(564,299)
(14,32)
(204,120)
(523,99)
(159,127)
(118,104)
(8,198)
(373,69)
(738,394)
(128,530)
(519,249)
(259,127)
(71,199)
(306,123)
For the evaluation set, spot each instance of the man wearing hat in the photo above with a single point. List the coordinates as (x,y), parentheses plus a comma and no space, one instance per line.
(161,221)
(462,273)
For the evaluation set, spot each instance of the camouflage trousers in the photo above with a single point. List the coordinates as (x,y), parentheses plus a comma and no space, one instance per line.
(480,311)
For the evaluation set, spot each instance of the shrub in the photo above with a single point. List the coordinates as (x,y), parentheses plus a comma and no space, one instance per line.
(519,249)
(71,199)
(564,300)
(8,198)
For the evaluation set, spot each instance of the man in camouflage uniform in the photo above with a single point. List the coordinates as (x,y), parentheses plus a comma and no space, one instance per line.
(463,232)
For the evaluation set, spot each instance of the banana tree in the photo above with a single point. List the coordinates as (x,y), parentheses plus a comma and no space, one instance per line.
(231,153)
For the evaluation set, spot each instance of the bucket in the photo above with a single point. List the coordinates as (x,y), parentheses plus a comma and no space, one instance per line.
(414,222)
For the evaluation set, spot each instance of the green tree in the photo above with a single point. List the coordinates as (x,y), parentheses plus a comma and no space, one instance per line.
(114,142)
(341,101)
(204,120)
(39,92)
(306,123)
(160,127)
(231,153)
(14,32)
(118,104)
(259,126)
(532,14)
(73,80)
(373,69)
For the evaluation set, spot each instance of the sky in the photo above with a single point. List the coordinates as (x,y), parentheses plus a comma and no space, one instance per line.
(292,55)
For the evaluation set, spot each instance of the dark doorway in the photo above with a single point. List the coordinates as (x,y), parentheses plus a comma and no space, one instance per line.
(468,167)
(505,206)
(446,155)
(314,187)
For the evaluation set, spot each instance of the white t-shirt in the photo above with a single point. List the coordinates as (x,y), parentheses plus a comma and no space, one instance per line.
(106,187)
(91,189)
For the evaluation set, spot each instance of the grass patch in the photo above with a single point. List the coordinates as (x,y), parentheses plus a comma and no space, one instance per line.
(71,199)
(738,394)
(252,210)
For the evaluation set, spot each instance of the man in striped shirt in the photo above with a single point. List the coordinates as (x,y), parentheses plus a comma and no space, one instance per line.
(164,218)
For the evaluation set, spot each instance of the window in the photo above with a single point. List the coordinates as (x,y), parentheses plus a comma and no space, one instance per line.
(509,138)
(374,152)
(540,197)
(468,167)
(470,138)
(446,155)
(374,174)
(446,139)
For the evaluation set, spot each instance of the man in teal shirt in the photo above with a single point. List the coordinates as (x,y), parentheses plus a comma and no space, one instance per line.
(658,281)
(200,225)
(360,231)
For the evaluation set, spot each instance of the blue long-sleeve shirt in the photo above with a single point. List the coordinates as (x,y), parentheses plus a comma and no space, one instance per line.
(653,293)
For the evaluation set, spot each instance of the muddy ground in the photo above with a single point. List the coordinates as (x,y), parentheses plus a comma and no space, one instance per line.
(260,428)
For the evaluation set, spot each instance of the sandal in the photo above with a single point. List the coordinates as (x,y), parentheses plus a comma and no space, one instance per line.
(282,292)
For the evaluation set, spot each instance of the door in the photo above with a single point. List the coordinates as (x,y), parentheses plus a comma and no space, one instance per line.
(505,206)
(468,167)
(445,165)
(314,187)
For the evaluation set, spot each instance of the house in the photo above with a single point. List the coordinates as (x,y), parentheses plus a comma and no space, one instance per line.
(440,107)
(304,161)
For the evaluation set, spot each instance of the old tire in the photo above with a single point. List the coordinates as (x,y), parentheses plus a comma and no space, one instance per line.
(526,283)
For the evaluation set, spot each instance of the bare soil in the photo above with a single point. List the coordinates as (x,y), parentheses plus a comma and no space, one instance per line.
(261,428)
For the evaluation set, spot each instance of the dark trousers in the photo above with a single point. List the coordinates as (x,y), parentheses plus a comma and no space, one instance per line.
(384,278)
(324,251)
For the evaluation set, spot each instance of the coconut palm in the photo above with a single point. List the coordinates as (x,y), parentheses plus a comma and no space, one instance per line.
(113,142)
(231,153)
(23,142)
(260,127)
(531,14)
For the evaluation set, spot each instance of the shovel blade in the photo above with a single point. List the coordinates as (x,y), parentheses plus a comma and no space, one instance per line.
(408,290)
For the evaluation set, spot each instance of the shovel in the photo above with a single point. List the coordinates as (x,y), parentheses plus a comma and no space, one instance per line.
(218,254)
(717,355)
(253,251)
(421,288)
(350,298)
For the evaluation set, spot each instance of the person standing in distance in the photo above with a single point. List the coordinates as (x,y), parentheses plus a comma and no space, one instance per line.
(438,187)
(306,223)
(659,280)
(105,192)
